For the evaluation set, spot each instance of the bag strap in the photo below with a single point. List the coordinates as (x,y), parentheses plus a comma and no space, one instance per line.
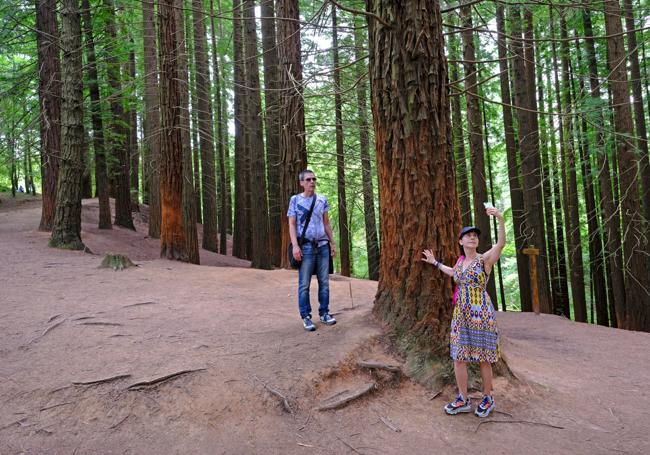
(311,210)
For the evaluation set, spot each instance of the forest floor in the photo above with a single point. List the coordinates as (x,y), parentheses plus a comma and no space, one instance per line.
(65,323)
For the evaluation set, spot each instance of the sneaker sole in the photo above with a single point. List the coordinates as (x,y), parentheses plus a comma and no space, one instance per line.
(486,413)
(458,411)
(310,329)
(328,323)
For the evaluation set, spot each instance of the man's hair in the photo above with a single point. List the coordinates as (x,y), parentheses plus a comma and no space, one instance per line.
(301,176)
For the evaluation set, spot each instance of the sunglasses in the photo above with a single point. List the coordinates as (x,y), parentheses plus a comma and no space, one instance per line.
(309,179)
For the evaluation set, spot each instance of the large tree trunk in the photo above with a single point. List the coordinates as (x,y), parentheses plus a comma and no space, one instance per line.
(241,234)
(637,268)
(293,151)
(524,98)
(189,188)
(101,176)
(569,180)
(260,254)
(205,122)
(344,229)
(639,115)
(49,100)
(172,235)
(609,215)
(221,140)
(119,139)
(516,192)
(418,201)
(372,242)
(66,231)
(151,118)
(271,104)
(475,129)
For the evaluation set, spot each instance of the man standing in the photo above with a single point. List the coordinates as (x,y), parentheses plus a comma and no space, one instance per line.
(313,250)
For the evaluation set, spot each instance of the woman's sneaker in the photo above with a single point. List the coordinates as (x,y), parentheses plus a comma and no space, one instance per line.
(485,406)
(308,325)
(459,405)
(327,319)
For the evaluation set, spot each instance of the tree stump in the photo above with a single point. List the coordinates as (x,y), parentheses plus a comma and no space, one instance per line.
(116,262)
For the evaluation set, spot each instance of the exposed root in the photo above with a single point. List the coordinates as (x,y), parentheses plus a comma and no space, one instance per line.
(157,381)
(101,381)
(344,400)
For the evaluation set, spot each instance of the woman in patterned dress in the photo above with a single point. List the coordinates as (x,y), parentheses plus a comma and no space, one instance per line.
(474,334)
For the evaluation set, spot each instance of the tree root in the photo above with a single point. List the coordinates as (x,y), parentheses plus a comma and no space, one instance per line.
(367,388)
(156,381)
(283,400)
(101,381)
(518,421)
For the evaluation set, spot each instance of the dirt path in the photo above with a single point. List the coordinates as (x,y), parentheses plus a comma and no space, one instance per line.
(64,321)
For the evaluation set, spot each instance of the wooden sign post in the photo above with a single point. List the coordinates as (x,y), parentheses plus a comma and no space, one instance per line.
(532,254)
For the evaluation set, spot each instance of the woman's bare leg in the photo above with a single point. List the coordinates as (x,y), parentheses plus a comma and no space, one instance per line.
(486,375)
(460,370)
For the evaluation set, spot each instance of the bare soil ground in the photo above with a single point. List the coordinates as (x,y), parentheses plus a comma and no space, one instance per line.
(65,323)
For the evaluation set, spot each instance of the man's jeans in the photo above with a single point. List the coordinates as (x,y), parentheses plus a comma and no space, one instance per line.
(318,260)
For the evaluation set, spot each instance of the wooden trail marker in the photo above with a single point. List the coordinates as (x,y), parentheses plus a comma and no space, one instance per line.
(532,254)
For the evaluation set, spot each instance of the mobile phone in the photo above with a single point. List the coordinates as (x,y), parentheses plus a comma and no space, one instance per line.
(488,205)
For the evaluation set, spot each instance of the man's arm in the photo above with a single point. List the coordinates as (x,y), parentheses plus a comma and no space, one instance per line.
(297,254)
(330,234)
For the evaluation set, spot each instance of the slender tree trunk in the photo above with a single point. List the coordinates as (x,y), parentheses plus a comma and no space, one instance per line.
(271,102)
(569,179)
(223,125)
(458,140)
(524,97)
(101,176)
(119,138)
(372,243)
(293,151)
(637,268)
(475,128)
(86,180)
(639,115)
(205,122)
(242,225)
(132,116)
(172,235)
(49,100)
(66,230)
(418,201)
(260,252)
(152,118)
(516,192)
(344,228)
(221,160)
(596,258)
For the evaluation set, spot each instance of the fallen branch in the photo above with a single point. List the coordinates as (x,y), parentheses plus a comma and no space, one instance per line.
(376,365)
(140,304)
(283,399)
(435,395)
(101,381)
(502,412)
(102,323)
(55,406)
(156,381)
(346,399)
(389,424)
(518,421)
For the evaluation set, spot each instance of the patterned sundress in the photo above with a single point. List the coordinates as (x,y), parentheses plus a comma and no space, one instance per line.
(474,332)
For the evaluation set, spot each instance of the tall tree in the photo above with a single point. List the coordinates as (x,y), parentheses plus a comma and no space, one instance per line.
(49,100)
(293,151)
(569,180)
(524,100)
(151,118)
(132,120)
(475,127)
(260,254)
(372,242)
(418,202)
(119,135)
(221,139)
(205,122)
(172,235)
(344,229)
(66,230)
(639,114)
(637,269)
(101,176)
(271,115)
